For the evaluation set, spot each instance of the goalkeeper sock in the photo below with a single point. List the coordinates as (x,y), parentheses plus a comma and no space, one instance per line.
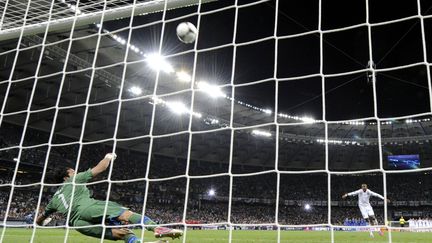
(131,238)
(139,219)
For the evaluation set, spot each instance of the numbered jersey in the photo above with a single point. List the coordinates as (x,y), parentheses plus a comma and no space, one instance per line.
(62,199)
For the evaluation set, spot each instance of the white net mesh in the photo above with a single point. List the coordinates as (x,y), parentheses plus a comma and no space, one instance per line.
(276,111)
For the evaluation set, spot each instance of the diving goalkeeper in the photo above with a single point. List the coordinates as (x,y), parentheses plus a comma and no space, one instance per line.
(86,211)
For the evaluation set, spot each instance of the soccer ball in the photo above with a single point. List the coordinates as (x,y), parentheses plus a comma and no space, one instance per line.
(186,32)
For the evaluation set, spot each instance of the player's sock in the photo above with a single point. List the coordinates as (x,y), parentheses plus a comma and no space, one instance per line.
(139,219)
(131,238)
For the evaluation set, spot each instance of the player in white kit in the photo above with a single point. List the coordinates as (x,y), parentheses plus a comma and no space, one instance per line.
(366,210)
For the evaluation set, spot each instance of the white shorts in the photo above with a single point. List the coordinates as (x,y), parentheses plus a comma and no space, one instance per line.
(366,211)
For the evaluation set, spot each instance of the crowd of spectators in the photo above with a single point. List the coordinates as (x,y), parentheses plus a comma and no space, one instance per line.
(166,211)
(254,197)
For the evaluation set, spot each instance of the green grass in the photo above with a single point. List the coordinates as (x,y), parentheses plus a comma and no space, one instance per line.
(14,235)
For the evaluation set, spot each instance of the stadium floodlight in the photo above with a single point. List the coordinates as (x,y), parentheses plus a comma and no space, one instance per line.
(74,8)
(157,100)
(267,111)
(177,107)
(184,77)
(307,119)
(330,141)
(134,48)
(212,90)
(196,114)
(211,121)
(211,193)
(307,207)
(119,39)
(135,90)
(261,133)
(158,63)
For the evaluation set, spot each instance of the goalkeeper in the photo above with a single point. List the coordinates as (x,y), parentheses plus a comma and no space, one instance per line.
(86,211)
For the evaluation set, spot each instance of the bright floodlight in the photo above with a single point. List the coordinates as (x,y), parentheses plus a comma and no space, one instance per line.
(183,76)
(267,111)
(134,48)
(74,9)
(177,107)
(211,192)
(211,90)
(197,114)
(157,100)
(307,207)
(261,133)
(307,119)
(135,90)
(158,62)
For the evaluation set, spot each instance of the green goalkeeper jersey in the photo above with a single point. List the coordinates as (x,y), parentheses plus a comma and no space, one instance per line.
(62,199)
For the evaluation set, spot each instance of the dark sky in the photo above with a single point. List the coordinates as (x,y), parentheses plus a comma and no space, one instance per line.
(289,58)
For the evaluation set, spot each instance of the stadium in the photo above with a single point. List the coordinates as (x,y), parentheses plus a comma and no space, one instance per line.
(252,133)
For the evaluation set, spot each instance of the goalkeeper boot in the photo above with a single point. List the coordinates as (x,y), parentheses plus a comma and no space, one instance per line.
(162,232)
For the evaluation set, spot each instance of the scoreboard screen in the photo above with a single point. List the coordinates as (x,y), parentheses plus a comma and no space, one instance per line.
(404,162)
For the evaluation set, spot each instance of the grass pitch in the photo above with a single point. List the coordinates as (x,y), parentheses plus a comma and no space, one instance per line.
(18,235)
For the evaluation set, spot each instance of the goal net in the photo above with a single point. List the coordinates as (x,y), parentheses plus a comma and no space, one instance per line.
(254,132)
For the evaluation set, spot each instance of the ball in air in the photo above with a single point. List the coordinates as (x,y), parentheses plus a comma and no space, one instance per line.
(187,32)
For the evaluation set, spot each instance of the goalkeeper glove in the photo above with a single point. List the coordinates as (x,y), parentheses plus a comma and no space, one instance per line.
(46,221)
(111,156)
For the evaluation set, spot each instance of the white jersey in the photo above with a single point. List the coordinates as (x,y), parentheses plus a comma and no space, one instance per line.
(364,196)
